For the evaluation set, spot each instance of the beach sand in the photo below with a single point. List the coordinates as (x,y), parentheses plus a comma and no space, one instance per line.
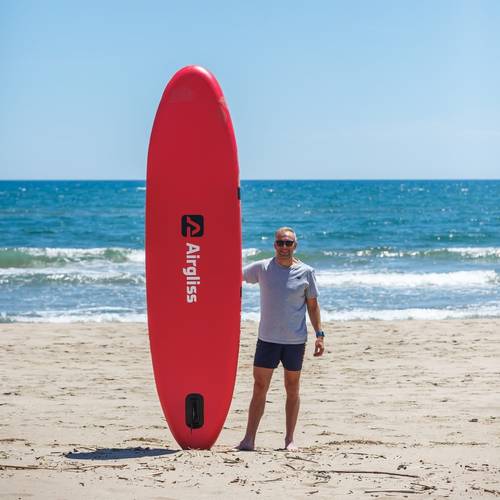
(392,410)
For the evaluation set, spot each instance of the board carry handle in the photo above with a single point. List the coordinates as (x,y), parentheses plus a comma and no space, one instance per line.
(194,411)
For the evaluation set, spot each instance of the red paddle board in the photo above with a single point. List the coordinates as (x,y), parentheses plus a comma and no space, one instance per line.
(193,256)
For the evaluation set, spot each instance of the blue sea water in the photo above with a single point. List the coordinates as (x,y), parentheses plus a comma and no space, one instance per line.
(74,250)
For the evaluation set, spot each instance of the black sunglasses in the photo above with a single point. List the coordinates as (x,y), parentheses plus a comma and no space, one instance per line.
(282,243)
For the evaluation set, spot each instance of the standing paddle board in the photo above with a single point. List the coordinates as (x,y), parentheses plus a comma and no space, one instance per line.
(193,256)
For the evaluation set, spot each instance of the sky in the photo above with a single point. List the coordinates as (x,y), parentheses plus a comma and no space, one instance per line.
(317,90)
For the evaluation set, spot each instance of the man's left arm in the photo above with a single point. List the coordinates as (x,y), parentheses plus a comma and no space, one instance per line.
(315,317)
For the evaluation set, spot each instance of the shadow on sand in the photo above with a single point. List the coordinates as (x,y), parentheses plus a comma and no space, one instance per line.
(119,453)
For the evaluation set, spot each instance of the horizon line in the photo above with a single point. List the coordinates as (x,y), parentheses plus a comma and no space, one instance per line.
(378,179)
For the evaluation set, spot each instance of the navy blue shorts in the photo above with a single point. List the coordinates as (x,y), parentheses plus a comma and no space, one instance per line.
(269,354)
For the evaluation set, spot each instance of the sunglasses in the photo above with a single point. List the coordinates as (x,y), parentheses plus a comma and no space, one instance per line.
(282,243)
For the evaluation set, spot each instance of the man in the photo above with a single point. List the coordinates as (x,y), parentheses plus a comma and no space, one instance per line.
(287,288)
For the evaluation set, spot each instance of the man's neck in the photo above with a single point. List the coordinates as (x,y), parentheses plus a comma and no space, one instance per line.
(287,262)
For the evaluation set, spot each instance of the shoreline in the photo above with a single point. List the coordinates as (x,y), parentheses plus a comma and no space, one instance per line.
(405,406)
(256,321)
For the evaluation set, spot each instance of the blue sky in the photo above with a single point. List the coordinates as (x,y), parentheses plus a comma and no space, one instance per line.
(317,90)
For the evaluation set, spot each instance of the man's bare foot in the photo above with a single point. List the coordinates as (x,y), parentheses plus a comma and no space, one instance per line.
(291,446)
(245,445)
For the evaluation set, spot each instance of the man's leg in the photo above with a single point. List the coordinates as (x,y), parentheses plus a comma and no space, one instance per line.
(292,384)
(262,379)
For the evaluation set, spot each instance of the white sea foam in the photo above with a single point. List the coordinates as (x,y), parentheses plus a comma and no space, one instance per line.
(87,315)
(123,315)
(476,252)
(137,256)
(250,316)
(42,317)
(250,252)
(465,252)
(492,311)
(81,254)
(71,275)
(404,280)
(411,314)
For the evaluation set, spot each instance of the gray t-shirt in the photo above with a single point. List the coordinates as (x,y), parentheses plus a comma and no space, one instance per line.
(283,294)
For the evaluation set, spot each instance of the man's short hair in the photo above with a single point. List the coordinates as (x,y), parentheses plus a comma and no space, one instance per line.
(281,229)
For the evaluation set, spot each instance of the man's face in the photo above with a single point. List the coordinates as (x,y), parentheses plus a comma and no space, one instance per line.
(285,244)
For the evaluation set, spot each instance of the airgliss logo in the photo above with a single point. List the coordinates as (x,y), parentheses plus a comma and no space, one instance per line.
(192,226)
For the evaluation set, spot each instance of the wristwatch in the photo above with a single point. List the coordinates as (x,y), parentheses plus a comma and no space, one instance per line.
(320,334)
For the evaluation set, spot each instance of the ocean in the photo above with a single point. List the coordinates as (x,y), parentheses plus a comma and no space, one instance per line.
(74,250)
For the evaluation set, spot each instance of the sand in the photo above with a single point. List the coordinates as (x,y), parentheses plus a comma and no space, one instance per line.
(393,410)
